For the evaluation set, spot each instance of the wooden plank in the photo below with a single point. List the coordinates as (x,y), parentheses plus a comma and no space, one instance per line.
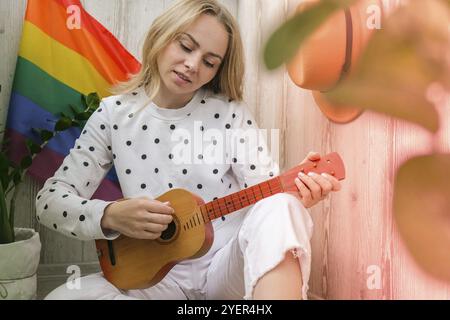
(11,16)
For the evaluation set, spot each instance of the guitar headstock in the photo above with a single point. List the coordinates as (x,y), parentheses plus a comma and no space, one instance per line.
(330,163)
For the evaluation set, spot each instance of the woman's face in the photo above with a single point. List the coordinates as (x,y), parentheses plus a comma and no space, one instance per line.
(193,59)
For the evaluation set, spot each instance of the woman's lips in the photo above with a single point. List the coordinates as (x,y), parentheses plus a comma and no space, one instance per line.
(182,77)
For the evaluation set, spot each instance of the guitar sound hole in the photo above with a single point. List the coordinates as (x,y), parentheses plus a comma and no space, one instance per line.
(169,232)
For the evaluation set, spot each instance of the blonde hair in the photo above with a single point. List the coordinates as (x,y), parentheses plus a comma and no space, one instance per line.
(165,29)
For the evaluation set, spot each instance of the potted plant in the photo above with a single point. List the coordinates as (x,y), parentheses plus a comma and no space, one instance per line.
(20,247)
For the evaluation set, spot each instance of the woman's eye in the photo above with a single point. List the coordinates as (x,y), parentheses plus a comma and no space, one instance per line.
(209,65)
(185,48)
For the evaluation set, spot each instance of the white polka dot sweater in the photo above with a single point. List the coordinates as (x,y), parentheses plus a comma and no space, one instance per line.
(211,147)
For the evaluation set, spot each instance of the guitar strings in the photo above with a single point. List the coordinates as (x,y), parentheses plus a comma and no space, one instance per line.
(224,208)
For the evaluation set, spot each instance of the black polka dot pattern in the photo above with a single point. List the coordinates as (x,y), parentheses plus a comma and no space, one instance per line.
(143,146)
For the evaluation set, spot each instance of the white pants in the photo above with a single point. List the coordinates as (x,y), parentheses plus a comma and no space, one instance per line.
(230,270)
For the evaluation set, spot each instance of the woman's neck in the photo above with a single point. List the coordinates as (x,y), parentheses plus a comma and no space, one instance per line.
(168,100)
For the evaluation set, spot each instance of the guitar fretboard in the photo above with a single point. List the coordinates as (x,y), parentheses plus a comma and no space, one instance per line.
(330,163)
(238,200)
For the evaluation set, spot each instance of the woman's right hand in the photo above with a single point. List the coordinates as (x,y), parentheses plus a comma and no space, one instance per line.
(139,218)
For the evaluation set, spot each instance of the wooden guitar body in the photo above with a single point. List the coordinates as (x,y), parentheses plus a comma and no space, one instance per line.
(136,264)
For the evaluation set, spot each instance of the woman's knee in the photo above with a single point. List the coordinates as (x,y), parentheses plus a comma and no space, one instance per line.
(278,212)
(279,205)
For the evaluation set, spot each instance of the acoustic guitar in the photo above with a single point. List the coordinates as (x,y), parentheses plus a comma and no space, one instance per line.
(136,264)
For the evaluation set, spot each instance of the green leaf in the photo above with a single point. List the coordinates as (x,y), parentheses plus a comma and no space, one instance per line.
(6,233)
(44,134)
(93,100)
(285,41)
(421,206)
(4,171)
(84,102)
(17,176)
(76,124)
(83,116)
(63,124)
(26,162)
(32,147)
(74,109)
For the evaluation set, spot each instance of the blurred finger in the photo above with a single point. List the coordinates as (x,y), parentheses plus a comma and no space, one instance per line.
(325,185)
(144,235)
(313,156)
(159,218)
(334,182)
(160,207)
(155,227)
(316,190)
(303,190)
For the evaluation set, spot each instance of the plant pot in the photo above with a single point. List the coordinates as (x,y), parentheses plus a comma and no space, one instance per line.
(18,265)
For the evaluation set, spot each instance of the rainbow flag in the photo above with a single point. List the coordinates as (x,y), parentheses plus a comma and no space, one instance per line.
(64,53)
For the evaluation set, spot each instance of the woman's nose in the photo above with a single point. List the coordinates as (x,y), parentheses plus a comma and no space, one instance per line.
(192,63)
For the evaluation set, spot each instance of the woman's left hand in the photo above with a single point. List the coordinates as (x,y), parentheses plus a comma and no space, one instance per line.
(315,187)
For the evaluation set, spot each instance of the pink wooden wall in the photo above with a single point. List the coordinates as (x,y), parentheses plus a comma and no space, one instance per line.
(355,238)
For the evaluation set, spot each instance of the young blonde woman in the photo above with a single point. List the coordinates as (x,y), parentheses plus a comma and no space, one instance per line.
(190,85)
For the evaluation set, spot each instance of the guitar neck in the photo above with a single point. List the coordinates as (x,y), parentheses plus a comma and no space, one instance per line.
(330,163)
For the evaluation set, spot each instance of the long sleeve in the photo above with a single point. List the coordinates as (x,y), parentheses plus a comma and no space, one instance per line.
(251,160)
(63,203)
